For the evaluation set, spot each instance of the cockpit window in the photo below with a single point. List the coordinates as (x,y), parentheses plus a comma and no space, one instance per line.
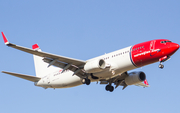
(165,41)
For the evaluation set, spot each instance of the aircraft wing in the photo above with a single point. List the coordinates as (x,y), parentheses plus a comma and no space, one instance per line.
(120,81)
(63,59)
(27,77)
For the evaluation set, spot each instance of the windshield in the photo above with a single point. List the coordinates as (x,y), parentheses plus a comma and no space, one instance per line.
(165,41)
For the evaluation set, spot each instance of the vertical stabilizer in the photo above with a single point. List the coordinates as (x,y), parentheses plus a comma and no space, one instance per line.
(41,67)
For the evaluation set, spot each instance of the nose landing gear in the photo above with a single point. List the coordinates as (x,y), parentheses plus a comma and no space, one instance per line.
(163,59)
(161,65)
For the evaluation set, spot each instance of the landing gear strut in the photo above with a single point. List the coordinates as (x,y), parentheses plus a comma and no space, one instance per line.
(86,81)
(109,88)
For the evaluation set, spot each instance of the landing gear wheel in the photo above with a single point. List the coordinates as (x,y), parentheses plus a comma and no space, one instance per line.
(109,88)
(83,81)
(161,66)
(86,81)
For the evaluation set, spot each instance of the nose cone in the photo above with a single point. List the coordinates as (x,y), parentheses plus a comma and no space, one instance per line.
(174,47)
(177,46)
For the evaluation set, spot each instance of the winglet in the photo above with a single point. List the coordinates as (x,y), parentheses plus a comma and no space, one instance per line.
(35,46)
(146,82)
(5,39)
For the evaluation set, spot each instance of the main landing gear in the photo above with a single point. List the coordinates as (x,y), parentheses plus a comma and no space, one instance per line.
(86,81)
(109,88)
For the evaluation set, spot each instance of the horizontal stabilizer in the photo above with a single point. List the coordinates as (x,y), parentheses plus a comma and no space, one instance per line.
(27,77)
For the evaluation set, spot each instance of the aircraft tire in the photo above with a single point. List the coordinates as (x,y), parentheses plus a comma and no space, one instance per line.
(88,81)
(83,81)
(111,89)
(107,87)
(161,66)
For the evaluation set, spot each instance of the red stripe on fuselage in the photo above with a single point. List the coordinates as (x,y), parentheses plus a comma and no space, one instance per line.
(149,52)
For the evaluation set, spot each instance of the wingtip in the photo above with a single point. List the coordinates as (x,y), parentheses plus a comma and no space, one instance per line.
(4,38)
(35,46)
(146,82)
(3,72)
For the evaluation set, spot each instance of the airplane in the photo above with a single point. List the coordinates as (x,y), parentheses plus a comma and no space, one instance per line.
(55,71)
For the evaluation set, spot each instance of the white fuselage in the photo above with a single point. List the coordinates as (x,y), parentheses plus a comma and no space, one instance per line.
(119,61)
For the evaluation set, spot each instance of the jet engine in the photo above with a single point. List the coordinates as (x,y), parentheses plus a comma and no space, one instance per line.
(94,66)
(135,77)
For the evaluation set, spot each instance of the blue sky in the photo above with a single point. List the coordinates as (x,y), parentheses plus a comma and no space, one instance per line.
(85,29)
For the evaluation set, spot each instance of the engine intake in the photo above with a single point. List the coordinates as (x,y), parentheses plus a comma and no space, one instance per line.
(135,77)
(95,66)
